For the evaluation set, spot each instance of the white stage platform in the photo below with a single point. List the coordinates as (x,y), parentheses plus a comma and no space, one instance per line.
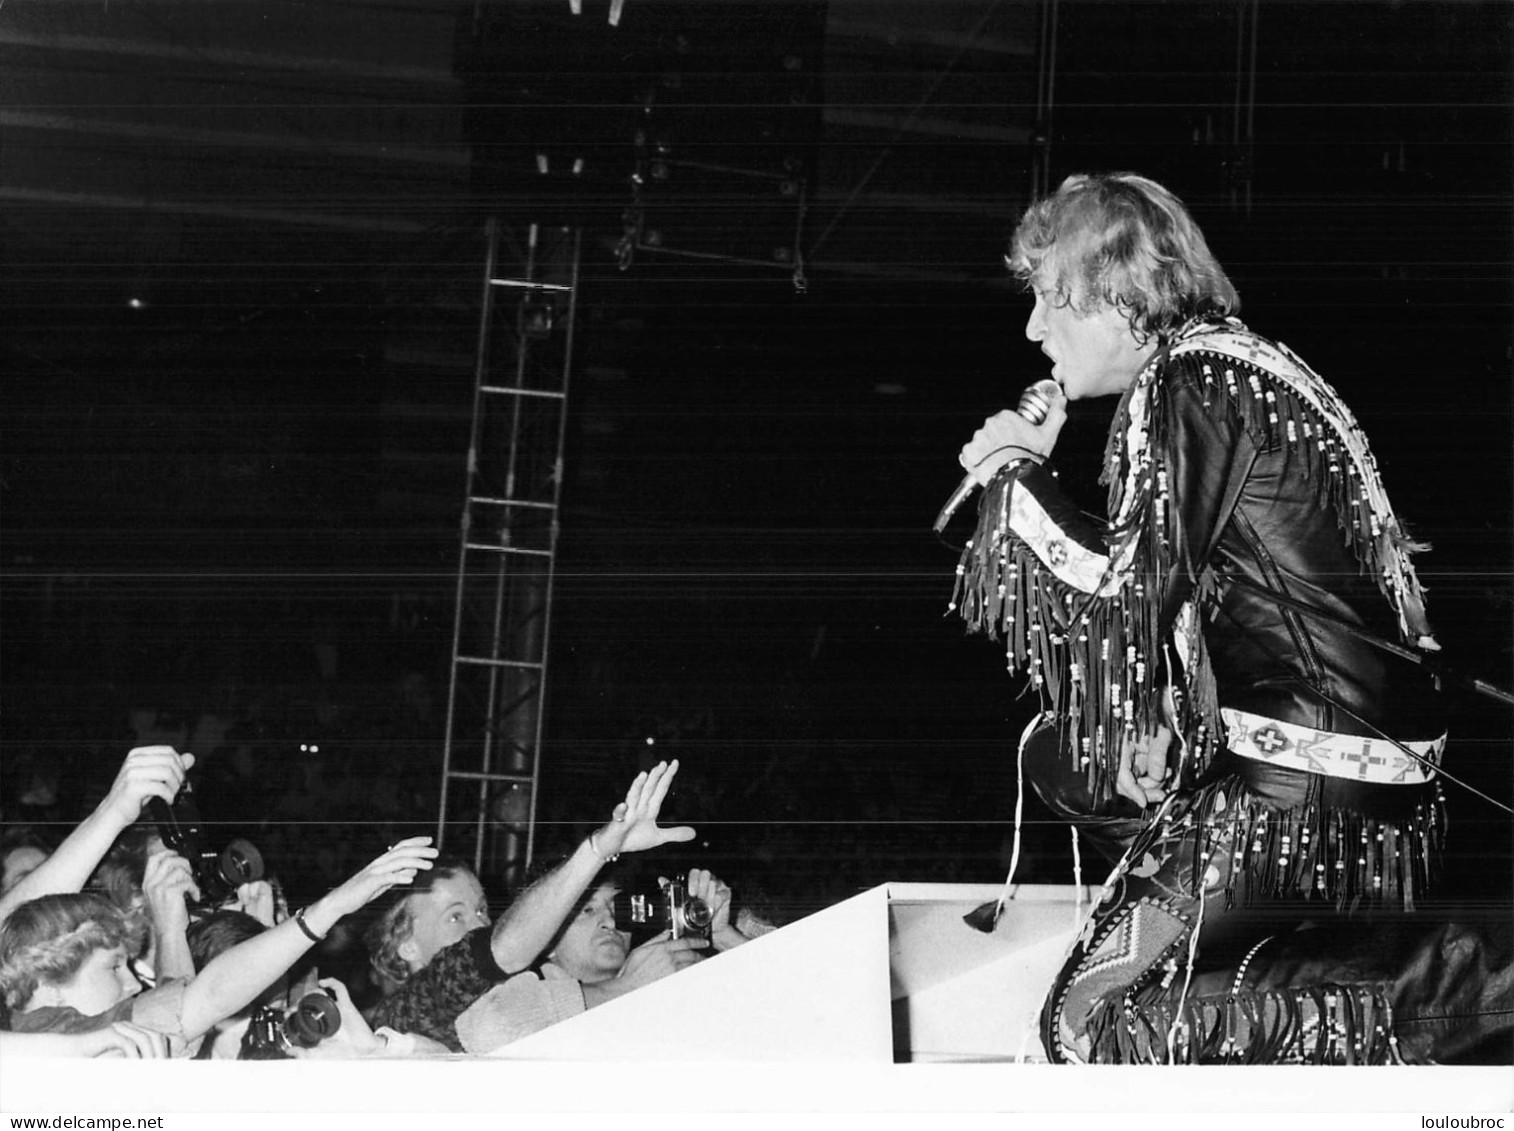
(893,974)
(885,1002)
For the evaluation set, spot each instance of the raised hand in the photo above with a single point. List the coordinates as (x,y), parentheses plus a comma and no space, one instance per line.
(257,899)
(399,865)
(148,771)
(527,927)
(167,880)
(634,827)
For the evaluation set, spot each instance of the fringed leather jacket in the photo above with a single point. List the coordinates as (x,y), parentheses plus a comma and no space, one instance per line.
(1249,544)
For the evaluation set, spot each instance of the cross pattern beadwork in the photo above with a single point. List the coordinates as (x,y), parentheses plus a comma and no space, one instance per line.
(1363,759)
(1269,740)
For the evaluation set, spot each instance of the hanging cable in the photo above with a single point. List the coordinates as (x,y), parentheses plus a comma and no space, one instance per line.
(1330,700)
(1432,663)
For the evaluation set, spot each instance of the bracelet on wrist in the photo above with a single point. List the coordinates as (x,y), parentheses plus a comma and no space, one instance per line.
(299,921)
(594,848)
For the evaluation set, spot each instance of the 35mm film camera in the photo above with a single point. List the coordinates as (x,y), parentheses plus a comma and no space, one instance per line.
(670,909)
(274,1034)
(217,873)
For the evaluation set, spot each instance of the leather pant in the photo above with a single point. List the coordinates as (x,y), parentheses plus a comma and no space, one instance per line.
(1166,944)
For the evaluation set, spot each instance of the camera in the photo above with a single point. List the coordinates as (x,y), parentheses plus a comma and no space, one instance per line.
(274,1033)
(218,874)
(670,909)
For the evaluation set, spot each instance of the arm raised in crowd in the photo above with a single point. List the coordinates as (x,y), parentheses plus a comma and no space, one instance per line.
(166,882)
(235,977)
(148,771)
(529,924)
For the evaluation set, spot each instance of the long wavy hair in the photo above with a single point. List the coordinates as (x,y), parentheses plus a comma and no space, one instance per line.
(395,921)
(47,940)
(1121,240)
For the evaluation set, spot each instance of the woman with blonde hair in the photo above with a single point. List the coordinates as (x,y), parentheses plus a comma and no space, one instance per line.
(414,925)
(63,959)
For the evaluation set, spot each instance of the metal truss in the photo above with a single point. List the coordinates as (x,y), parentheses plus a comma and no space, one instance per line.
(496,699)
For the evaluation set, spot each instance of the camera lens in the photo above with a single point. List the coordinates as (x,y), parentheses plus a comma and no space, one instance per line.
(315,1018)
(240,862)
(696,914)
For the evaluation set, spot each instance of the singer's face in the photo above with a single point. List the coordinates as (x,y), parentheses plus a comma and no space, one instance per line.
(1093,354)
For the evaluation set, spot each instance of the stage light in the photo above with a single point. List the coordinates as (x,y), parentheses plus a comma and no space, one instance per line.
(535,320)
(512,806)
(616,8)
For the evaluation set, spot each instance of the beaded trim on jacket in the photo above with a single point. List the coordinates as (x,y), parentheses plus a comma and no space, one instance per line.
(1096,658)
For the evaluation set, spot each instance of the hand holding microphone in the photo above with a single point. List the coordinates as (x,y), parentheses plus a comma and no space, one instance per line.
(1035,406)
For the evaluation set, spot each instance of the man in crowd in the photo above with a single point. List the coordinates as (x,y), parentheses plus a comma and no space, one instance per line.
(430,1001)
(591,962)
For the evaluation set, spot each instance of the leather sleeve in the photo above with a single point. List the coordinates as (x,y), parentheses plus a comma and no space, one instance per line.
(1201,456)
(1206,455)
(1065,539)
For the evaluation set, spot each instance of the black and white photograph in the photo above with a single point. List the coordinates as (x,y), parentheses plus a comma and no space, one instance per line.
(781,558)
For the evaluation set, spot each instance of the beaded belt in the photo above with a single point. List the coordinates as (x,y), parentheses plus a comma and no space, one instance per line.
(1334,755)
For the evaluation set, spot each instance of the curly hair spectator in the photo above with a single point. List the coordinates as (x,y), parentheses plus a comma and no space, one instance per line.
(63,959)
(48,943)
(431,1000)
(418,923)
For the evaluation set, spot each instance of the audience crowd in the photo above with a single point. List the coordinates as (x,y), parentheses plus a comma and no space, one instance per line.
(143,933)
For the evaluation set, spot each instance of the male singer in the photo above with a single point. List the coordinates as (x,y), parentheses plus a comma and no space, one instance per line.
(1215,711)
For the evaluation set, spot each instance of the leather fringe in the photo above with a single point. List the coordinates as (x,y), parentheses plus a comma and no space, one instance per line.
(1327,1023)
(1094,664)
(1313,852)
(1300,410)
(1098,663)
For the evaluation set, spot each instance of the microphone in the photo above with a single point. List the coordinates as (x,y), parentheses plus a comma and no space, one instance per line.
(1034,406)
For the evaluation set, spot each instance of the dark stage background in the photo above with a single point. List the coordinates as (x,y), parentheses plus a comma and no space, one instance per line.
(230,509)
